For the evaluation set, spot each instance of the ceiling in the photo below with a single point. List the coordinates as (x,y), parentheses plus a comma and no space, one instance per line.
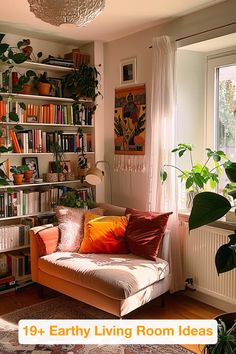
(120,18)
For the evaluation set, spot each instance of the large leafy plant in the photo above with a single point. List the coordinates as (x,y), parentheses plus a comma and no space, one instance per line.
(209,207)
(199,175)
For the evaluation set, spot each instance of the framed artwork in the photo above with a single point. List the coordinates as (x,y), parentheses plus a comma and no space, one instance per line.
(32,163)
(128,71)
(56,87)
(129,120)
(66,165)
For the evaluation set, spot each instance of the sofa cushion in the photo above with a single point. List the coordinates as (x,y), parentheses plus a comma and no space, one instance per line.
(71,226)
(116,276)
(104,234)
(144,234)
(47,239)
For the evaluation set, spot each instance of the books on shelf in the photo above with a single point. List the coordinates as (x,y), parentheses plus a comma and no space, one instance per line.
(12,236)
(36,140)
(19,264)
(26,202)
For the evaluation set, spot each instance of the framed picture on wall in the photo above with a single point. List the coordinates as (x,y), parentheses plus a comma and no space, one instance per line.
(128,71)
(32,163)
(56,87)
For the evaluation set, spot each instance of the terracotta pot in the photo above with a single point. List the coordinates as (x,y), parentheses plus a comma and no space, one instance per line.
(44,88)
(18,178)
(26,89)
(50,177)
(28,175)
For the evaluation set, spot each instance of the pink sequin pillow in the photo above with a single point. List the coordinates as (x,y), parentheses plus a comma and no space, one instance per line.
(71,227)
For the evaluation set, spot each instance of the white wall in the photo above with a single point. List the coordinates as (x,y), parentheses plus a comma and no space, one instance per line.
(130,189)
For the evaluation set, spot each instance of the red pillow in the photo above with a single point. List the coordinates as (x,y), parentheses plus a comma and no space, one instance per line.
(145,232)
(141,213)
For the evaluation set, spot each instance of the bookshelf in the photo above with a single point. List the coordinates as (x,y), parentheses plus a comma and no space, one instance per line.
(45,125)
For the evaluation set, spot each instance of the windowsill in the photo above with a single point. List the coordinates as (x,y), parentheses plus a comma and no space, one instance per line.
(221,223)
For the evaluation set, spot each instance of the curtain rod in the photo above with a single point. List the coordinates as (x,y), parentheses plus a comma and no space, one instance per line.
(202,32)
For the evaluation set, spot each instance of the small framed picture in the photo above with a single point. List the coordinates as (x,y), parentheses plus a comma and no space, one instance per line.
(32,119)
(32,163)
(56,87)
(66,166)
(128,71)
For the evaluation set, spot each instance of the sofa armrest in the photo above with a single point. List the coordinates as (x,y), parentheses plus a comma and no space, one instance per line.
(40,244)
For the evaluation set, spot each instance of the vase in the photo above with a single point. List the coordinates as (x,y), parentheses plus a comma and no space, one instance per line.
(189,199)
(28,175)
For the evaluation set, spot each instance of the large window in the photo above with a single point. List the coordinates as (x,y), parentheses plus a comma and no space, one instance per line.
(221,107)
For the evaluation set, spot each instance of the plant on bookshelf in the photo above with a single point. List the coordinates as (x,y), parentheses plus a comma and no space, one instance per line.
(18,173)
(43,84)
(74,198)
(21,84)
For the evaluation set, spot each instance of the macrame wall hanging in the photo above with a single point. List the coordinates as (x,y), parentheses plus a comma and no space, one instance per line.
(129,128)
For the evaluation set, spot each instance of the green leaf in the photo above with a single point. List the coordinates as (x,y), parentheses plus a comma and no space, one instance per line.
(198,179)
(181,152)
(22,105)
(3,175)
(3,182)
(3,47)
(212,183)
(189,182)
(18,127)
(163,176)
(230,171)
(225,259)
(207,207)
(216,157)
(4,118)
(19,58)
(13,116)
(30,73)
(3,149)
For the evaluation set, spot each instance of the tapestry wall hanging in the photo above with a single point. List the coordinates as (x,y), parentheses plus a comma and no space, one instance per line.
(129,128)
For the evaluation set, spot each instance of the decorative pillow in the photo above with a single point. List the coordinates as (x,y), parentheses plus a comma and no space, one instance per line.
(144,234)
(104,234)
(133,211)
(71,226)
(47,240)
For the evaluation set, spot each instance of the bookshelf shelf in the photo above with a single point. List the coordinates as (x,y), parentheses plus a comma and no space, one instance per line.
(26,185)
(28,215)
(16,96)
(50,125)
(44,67)
(14,248)
(40,153)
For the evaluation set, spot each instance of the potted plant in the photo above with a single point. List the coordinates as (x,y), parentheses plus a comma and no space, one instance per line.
(83,81)
(199,175)
(58,155)
(43,84)
(18,173)
(226,343)
(28,175)
(22,85)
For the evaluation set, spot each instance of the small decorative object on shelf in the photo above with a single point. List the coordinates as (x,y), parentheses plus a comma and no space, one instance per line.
(18,173)
(43,84)
(28,175)
(50,177)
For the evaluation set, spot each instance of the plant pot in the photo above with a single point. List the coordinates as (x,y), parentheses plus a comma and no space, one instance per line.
(70,176)
(44,88)
(61,177)
(26,89)
(50,177)
(82,172)
(28,175)
(18,179)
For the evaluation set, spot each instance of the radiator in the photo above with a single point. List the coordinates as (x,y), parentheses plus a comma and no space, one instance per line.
(199,249)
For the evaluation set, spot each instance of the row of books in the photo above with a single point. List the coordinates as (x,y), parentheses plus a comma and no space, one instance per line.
(49,113)
(7,283)
(12,236)
(25,202)
(36,140)
(19,264)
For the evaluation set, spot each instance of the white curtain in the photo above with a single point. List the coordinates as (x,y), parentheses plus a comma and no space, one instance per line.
(164,197)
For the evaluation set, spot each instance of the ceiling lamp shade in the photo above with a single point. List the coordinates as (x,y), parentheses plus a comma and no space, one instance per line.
(58,12)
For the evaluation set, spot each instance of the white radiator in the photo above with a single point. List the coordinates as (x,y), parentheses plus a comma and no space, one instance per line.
(199,249)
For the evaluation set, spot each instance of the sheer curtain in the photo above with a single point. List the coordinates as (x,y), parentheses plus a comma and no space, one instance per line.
(164,197)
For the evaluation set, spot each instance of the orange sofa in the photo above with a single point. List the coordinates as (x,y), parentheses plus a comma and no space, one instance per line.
(115,283)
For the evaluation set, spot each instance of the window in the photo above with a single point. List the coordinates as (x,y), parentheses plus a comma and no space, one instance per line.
(221,107)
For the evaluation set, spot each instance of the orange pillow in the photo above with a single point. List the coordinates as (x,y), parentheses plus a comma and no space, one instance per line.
(104,234)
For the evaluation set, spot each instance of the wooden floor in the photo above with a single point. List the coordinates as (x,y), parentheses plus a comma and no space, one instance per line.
(177,306)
